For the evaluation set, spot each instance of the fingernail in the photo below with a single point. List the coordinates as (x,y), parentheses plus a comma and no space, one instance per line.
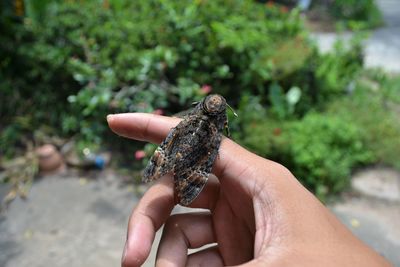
(110,117)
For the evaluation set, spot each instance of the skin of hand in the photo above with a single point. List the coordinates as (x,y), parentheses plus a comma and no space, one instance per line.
(259,214)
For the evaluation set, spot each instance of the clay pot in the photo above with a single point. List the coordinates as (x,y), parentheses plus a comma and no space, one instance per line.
(50,160)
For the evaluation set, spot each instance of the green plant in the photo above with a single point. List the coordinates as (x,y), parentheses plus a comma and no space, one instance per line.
(320,149)
(88,59)
(335,71)
(283,104)
(374,108)
(324,149)
(322,78)
(357,15)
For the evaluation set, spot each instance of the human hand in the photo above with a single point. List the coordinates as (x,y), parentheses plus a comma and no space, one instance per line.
(260,215)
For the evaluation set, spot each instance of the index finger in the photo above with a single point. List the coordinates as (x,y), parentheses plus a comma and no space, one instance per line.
(232,158)
(151,212)
(142,126)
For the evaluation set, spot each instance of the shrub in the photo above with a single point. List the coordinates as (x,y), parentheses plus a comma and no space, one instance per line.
(357,14)
(114,58)
(320,149)
(94,59)
(324,149)
(28,84)
(374,108)
(346,14)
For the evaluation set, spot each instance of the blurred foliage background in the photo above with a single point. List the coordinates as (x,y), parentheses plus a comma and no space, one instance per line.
(65,65)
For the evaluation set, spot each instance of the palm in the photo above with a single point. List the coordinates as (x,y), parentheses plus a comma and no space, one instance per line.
(232,224)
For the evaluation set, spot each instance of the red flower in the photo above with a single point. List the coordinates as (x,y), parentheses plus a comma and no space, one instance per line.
(140,154)
(270,4)
(277,131)
(205,89)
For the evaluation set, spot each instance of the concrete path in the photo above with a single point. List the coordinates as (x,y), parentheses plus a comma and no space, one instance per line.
(374,222)
(70,221)
(67,222)
(382,49)
(372,210)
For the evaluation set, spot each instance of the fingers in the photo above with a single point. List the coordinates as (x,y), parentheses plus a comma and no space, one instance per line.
(183,231)
(142,126)
(207,257)
(209,195)
(154,128)
(152,211)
